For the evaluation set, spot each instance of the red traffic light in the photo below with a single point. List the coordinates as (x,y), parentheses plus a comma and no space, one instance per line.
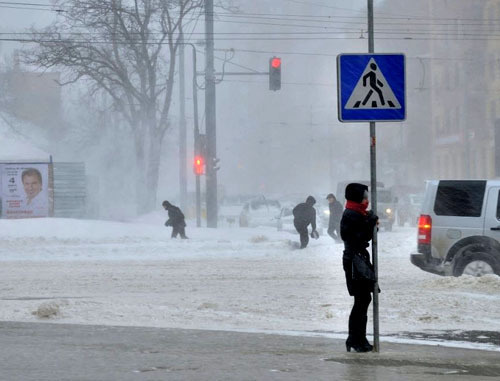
(274,73)
(275,62)
(199,165)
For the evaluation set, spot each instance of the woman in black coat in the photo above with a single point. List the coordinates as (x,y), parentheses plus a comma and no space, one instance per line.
(356,230)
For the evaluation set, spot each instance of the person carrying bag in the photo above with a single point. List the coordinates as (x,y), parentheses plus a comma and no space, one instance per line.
(362,269)
(356,230)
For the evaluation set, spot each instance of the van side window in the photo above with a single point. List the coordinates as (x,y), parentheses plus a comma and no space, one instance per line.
(460,198)
(498,206)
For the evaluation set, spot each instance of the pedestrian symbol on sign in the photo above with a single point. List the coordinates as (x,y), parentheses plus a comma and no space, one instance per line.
(372,91)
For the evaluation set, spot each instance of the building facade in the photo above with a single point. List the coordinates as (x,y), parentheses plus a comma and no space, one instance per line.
(464,76)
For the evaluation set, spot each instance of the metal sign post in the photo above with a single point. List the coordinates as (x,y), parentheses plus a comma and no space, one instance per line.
(372,88)
(373,178)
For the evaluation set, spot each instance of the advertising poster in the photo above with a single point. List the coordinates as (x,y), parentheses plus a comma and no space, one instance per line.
(24,190)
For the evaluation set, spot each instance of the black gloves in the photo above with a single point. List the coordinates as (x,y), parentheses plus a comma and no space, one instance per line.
(372,217)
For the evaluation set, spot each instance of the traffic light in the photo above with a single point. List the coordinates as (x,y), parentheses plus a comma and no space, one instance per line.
(274,73)
(199,165)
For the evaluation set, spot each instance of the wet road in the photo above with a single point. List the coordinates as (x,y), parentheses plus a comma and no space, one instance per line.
(38,351)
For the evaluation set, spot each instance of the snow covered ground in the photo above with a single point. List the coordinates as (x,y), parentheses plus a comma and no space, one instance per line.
(132,273)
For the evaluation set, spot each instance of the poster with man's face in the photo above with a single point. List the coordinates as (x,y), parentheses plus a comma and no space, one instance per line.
(24,190)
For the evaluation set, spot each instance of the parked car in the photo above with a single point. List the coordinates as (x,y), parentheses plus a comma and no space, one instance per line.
(229,215)
(285,219)
(459,228)
(260,212)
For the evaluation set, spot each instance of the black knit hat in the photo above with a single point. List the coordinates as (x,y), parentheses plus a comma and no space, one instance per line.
(310,200)
(355,192)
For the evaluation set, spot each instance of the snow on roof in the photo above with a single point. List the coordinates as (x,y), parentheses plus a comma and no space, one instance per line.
(17,141)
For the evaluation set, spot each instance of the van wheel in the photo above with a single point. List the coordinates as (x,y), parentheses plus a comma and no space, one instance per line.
(476,264)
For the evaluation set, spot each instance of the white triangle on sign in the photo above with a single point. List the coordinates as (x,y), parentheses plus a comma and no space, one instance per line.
(372,91)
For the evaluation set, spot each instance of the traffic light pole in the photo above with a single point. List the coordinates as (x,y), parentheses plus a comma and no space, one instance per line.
(210,117)
(182,127)
(373,171)
(196,138)
(196,134)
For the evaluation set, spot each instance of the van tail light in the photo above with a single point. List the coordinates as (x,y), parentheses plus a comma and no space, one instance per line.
(424,229)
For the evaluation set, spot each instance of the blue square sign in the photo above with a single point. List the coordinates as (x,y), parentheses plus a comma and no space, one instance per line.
(371,87)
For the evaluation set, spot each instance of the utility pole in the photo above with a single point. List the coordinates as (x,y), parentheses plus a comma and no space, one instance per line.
(210,120)
(196,135)
(182,127)
(373,171)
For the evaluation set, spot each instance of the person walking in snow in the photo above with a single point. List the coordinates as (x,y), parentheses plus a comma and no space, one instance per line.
(305,214)
(175,219)
(336,210)
(356,229)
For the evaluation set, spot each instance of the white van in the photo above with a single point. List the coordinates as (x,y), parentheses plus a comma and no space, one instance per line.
(459,228)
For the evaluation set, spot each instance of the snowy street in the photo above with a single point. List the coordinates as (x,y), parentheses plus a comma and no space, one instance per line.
(133,274)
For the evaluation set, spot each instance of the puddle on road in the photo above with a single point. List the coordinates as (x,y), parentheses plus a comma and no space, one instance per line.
(480,337)
(432,368)
(164,368)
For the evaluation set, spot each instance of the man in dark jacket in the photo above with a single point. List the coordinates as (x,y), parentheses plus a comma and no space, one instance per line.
(175,219)
(356,229)
(336,211)
(305,214)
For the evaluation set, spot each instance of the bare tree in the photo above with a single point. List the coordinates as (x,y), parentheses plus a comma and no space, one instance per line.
(126,48)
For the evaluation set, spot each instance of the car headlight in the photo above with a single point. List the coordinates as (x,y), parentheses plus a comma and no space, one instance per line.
(388,210)
(327,212)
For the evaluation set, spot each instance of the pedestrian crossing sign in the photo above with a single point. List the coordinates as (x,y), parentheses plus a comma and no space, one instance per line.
(371,87)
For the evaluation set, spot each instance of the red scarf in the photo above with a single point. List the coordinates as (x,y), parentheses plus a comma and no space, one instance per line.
(356,206)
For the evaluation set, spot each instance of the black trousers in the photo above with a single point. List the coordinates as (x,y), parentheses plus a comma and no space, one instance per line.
(362,299)
(179,229)
(359,317)
(304,235)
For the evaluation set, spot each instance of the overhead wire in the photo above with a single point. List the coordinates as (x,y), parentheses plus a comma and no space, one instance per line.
(335,55)
(27,8)
(24,3)
(296,17)
(342,31)
(329,32)
(262,39)
(362,17)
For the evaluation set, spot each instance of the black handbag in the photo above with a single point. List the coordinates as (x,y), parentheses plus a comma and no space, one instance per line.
(362,269)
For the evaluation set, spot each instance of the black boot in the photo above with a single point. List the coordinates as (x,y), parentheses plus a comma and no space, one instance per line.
(353,343)
(363,340)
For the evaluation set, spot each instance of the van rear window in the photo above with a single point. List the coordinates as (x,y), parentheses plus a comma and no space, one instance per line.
(460,198)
